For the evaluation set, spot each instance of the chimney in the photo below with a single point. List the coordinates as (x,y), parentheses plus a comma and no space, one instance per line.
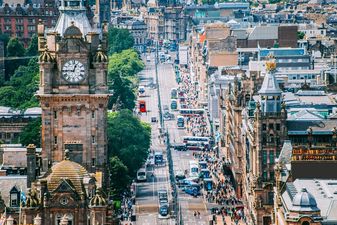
(37,220)
(31,164)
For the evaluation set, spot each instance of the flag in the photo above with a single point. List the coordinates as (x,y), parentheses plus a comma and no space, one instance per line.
(23,198)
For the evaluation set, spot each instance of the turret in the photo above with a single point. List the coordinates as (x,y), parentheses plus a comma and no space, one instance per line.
(270,91)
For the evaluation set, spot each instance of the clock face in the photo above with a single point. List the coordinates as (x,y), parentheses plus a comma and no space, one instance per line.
(73,71)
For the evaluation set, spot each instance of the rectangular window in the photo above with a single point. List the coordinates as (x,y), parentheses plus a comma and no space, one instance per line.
(14,203)
(271,157)
(264,157)
(265,175)
(93,161)
(55,115)
(271,126)
(93,138)
(278,126)
(270,197)
(264,126)
(93,114)
(272,175)
(55,140)
(31,28)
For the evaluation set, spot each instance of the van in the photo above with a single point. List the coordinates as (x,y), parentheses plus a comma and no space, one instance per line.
(158,158)
(141,175)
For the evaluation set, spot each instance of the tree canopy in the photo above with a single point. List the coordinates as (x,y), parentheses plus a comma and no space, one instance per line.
(123,68)
(15,48)
(119,178)
(127,63)
(33,49)
(19,91)
(119,40)
(31,133)
(123,96)
(128,139)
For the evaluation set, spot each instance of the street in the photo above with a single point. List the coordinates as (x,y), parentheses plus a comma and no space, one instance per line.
(146,193)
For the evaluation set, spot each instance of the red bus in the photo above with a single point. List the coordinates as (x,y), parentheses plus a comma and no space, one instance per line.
(142,106)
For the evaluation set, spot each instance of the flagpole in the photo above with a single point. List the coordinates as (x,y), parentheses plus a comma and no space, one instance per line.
(20,207)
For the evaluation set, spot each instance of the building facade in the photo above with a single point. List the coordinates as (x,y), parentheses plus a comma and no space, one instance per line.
(73,90)
(21,20)
(254,130)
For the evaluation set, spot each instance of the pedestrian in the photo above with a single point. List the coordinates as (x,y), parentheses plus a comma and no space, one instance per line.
(195,213)
(198,214)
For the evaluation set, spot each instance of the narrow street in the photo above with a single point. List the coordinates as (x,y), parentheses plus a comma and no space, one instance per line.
(147,192)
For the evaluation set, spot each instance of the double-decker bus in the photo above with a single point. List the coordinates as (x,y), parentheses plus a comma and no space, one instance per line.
(142,106)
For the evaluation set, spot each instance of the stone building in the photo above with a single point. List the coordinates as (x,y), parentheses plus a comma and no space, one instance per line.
(21,20)
(13,121)
(306,195)
(266,36)
(254,131)
(73,90)
(66,191)
(138,30)
(166,23)
(155,23)
(212,47)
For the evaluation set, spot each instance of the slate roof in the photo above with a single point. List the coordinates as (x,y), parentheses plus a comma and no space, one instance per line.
(75,16)
(324,192)
(263,33)
(8,182)
(305,114)
(318,127)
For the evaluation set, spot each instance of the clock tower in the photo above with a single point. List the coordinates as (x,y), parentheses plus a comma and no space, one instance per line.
(73,89)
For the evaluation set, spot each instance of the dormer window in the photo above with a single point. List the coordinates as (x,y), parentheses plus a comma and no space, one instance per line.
(14,197)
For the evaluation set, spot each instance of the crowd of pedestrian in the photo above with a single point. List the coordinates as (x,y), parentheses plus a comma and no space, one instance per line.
(196,124)
(223,192)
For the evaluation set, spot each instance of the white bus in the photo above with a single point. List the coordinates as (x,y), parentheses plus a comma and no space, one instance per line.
(194,169)
(141,175)
(196,139)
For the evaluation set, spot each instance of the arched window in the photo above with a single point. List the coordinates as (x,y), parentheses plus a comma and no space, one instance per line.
(305,223)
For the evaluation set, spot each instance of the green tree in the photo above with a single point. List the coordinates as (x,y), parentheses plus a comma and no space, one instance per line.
(128,139)
(31,133)
(119,178)
(19,91)
(15,48)
(32,49)
(123,96)
(128,63)
(4,38)
(119,40)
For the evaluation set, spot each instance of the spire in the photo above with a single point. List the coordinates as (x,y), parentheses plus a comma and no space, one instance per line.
(270,85)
